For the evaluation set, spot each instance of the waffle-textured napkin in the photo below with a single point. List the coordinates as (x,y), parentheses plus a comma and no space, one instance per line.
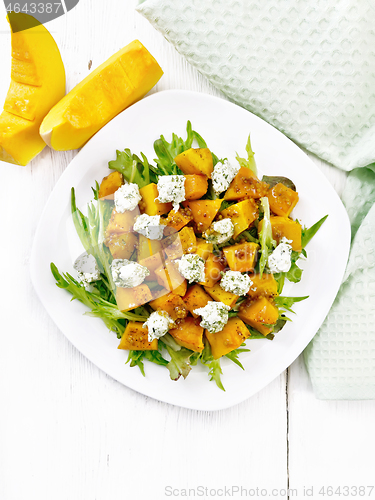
(308,68)
(341,357)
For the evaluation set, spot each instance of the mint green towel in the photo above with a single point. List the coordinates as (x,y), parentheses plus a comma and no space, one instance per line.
(308,68)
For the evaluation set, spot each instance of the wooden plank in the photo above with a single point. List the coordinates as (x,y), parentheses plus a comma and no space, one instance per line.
(330,442)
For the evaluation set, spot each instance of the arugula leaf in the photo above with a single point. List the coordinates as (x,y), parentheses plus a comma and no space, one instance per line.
(280,278)
(294,274)
(233,355)
(156,357)
(250,162)
(280,323)
(286,303)
(212,364)
(267,243)
(308,233)
(135,358)
(254,334)
(179,363)
(132,167)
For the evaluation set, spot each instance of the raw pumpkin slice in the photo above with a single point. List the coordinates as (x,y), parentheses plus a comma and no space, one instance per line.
(116,84)
(37,84)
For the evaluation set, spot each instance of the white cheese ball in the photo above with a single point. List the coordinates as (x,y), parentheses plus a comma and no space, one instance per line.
(171,188)
(220,231)
(236,282)
(149,226)
(214,316)
(280,259)
(127,274)
(223,175)
(127,198)
(191,266)
(87,269)
(158,324)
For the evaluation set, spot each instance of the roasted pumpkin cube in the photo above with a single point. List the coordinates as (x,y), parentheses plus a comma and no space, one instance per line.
(204,212)
(285,227)
(177,282)
(213,268)
(147,247)
(172,304)
(246,185)
(282,199)
(121,223)
(242,214)
(229,338)
(110,185)
(265,286)
(172,246)
(169,277)
(130,298)
(242,256)
(152,263)
(180,289)
(149,204)
(203,248)
(122,245)
(188,333)
(259,314)
(135,338)
(220,295)
(196,297)
(195,186)
(177,220)
(188,240)
(195,161)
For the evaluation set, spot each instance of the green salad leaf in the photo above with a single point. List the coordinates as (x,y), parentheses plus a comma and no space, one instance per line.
(286,303)
(308,233)
(250,161)
(134,169)
(91,229)
(212,364)
(233,355)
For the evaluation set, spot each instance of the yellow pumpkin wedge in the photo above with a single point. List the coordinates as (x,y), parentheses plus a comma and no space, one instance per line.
(259,314)
(195,161)
(285,227)
(204,212)
(221,295)
(116,84)
(196,297)
(37,84)
(109,185)
(149,204)
(242,214)
(135,338)
(229,338)
(188,333)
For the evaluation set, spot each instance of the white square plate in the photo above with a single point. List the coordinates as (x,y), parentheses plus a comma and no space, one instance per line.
(225,127)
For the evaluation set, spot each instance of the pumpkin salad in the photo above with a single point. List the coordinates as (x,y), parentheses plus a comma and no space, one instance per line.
(186,257)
